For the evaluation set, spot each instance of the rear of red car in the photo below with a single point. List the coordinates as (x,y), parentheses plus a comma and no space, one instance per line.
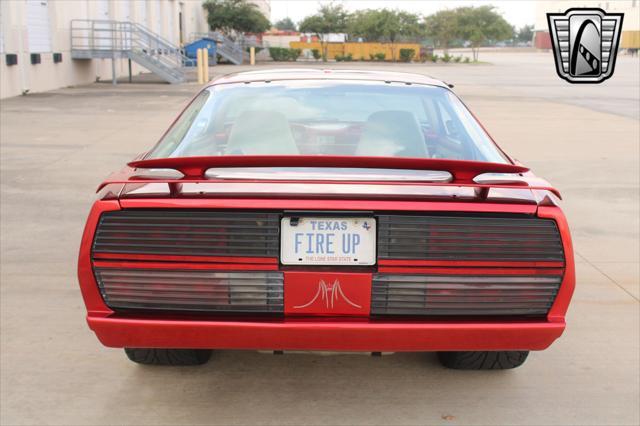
(206,273)
(477,270)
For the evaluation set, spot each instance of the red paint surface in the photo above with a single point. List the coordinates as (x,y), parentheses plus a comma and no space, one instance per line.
(328,334)
(319,205)
(327,293)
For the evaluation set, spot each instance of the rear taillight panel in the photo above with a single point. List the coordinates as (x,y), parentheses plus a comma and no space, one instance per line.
(226,261)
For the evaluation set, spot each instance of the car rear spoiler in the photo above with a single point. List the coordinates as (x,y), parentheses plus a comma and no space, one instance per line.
(195,167)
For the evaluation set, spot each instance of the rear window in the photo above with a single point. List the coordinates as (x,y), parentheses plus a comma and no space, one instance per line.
(320,117)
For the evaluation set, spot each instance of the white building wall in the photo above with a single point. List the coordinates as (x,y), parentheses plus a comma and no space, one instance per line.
(279,40)
(195,19)
(140,12)
(14,39)
(172,28)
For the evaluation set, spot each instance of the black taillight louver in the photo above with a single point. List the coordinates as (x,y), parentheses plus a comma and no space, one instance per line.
(188,233)
(468,238)
(434,295)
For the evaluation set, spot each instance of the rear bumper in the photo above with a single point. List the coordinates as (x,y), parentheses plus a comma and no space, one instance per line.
(329,335)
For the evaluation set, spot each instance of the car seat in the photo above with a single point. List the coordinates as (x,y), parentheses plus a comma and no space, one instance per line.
(392,134)
(261,133)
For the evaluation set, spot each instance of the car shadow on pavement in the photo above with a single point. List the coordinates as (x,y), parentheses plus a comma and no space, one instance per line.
(245,387)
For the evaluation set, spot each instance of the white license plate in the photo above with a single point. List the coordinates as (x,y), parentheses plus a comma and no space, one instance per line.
(328,241)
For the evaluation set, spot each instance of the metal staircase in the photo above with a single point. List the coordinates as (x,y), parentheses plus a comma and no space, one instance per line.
(232,51)
(228,49)
(107,39)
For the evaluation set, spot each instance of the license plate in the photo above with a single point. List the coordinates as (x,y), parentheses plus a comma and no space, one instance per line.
(328,241)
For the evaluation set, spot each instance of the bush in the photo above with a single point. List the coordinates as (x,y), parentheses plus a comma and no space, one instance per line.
(406,55)
(446,58)
(346,58)
(377,56)
(457,59)
(434,58)
(316,54)
(466,60)
(294,54)
(280,54)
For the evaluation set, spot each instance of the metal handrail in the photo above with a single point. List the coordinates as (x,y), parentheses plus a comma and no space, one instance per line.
(122,37)
(224,44)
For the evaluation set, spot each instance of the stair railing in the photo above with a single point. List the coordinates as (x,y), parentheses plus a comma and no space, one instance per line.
(103,37)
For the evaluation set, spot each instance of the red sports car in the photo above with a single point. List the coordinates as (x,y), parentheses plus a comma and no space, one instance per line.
(330,211)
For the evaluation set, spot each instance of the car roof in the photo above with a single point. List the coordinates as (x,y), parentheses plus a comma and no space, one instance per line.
(326,74)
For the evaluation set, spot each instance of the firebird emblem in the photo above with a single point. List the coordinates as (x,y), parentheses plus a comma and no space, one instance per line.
(329,294)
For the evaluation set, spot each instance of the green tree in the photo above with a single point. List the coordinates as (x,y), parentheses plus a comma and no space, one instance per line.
(482,25)
(331,18)
(285,24)
(235,16)
(525,34)
(384,25)
(365,24)
(443,28)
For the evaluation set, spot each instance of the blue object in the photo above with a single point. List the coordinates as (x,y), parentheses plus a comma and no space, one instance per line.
(191,50)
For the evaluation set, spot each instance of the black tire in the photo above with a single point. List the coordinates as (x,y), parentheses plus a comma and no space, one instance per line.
(485,360)
(168,356)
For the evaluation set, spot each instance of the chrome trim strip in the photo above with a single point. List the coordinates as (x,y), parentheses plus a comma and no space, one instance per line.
(326,189)
(499,179)
(328,174)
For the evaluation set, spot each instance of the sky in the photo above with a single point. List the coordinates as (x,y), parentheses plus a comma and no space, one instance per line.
(518,13)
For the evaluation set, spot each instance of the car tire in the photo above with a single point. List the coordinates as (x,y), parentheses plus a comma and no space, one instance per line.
(483,360)
(168,356)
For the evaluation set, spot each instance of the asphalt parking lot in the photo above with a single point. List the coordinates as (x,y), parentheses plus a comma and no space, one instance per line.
(57,146)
